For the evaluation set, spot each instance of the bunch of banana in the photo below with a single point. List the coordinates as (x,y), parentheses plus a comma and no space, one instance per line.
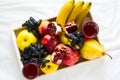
(75,11)
(84,11)
(64,12)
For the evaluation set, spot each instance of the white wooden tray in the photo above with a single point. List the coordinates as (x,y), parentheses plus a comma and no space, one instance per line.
(15,32)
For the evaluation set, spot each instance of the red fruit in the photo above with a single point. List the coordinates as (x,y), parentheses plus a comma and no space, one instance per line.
(43,28)
(54,28)
(71,59)
(30,70)
(50,42)
(71,27)
(67,55)
(48,27)
(57,57)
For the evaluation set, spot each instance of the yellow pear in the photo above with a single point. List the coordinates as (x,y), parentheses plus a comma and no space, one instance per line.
(92,50)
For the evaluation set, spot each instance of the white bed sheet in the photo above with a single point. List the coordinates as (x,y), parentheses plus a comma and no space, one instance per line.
(105,12)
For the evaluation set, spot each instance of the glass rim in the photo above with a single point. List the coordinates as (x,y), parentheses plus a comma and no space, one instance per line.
(96,27)
(35,66)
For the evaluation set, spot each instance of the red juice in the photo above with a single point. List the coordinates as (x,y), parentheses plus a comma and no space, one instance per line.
(30,70)
(90,30)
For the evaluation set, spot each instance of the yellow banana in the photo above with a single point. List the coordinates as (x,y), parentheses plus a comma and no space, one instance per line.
(85,10)
(75,11)
(64,12)
(63,38)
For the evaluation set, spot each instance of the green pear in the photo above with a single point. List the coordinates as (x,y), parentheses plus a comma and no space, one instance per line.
(92,50)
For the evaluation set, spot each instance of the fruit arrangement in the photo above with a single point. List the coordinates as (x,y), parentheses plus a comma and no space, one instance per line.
(69,38)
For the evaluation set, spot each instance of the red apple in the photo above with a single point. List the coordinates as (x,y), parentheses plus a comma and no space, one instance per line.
(50,42)
(43,28)
(65,54)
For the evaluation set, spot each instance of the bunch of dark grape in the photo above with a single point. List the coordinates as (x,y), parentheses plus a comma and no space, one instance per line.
(32,25)
(77,39)
(34,53)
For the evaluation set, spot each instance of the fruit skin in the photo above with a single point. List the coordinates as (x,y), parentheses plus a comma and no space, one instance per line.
(92,50)
(58,27)
(71,59)
(49,27)
(50,66)
(85,10)
(64,12)
(75,11)
(54,29)
(50,42)
(70,27)
(63,38)
(43,28)
(68,56)
(57,57)
(25,38)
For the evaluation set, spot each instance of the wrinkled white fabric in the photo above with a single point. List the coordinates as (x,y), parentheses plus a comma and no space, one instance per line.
(105,12)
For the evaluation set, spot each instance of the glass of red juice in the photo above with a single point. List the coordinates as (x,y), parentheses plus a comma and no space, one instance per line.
(90,30)
(30,70)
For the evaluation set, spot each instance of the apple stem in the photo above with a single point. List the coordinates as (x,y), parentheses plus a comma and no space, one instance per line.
(48,66)
(25,40)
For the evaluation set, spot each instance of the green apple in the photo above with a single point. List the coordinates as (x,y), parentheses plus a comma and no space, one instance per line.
(25,38)
(92,50)
(50,66)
